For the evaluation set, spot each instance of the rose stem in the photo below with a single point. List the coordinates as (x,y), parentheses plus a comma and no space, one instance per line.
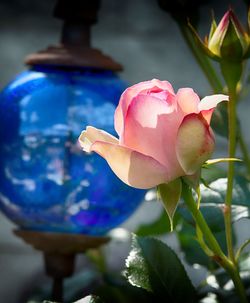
(219,256)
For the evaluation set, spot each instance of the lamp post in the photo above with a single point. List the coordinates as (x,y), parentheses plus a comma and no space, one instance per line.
(59,251)
(62,200)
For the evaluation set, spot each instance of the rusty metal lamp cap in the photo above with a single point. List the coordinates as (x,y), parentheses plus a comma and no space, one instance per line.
(73,56)
(75,48)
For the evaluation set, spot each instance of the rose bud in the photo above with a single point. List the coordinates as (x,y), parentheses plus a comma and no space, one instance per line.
(227,41)
(162,135)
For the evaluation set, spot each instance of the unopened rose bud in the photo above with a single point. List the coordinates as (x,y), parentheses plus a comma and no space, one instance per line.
(227,41)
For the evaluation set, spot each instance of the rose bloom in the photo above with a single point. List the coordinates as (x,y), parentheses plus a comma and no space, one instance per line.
(162,135)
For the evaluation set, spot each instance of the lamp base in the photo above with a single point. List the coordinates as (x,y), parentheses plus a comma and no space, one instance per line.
(59,251)
(62,243)
(73,56)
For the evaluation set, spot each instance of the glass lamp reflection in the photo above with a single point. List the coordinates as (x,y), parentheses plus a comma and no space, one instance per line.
(46,182)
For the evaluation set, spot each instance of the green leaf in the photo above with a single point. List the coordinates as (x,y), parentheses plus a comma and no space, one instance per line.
(90,299)
(214,217)
(244,262)
(137,269)
(170,194)
(212,213)
(212,202)
(95,299)
(213,173)
(152,265)
(116,289)
(220,160)
(190,246)
(214,196)
(219,121)
(241,249)
(212,205)
(187,236)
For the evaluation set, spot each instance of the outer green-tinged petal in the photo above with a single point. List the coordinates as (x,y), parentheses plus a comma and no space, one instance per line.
(170,195)
(233,46)
(195,143)
(214,43)
(202,45)
(212,28)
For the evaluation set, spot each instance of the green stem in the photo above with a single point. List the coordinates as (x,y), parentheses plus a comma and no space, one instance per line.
(244,151)
(234,273)
(219,256)
(230,174)
(200,221)
(201,59)
(232,72)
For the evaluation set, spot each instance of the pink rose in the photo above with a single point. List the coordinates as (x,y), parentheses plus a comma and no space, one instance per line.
(162,135)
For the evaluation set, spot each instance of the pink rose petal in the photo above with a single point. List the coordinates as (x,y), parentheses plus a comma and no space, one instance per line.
(188,100)
(91,135)
(133,91)
(132,167)
(150,128)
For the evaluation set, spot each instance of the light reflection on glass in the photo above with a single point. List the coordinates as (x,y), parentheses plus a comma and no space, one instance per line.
(46,181)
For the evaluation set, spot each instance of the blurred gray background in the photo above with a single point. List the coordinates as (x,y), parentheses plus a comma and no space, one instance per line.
(147,42)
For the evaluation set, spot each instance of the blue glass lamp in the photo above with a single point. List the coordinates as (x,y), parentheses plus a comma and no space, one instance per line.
(46,182)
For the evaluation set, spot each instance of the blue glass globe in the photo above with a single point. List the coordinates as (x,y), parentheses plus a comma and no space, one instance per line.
(46,182)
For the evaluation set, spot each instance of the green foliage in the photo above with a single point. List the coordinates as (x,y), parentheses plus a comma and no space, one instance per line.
(212,207)
(95,299)
(212,173)
(116,289)
(90,299)
(215,196)
(190,246)
(158,227)
(153,266)
(138,272)
(219,121)
(244,263)
(212,204)
(231,47)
